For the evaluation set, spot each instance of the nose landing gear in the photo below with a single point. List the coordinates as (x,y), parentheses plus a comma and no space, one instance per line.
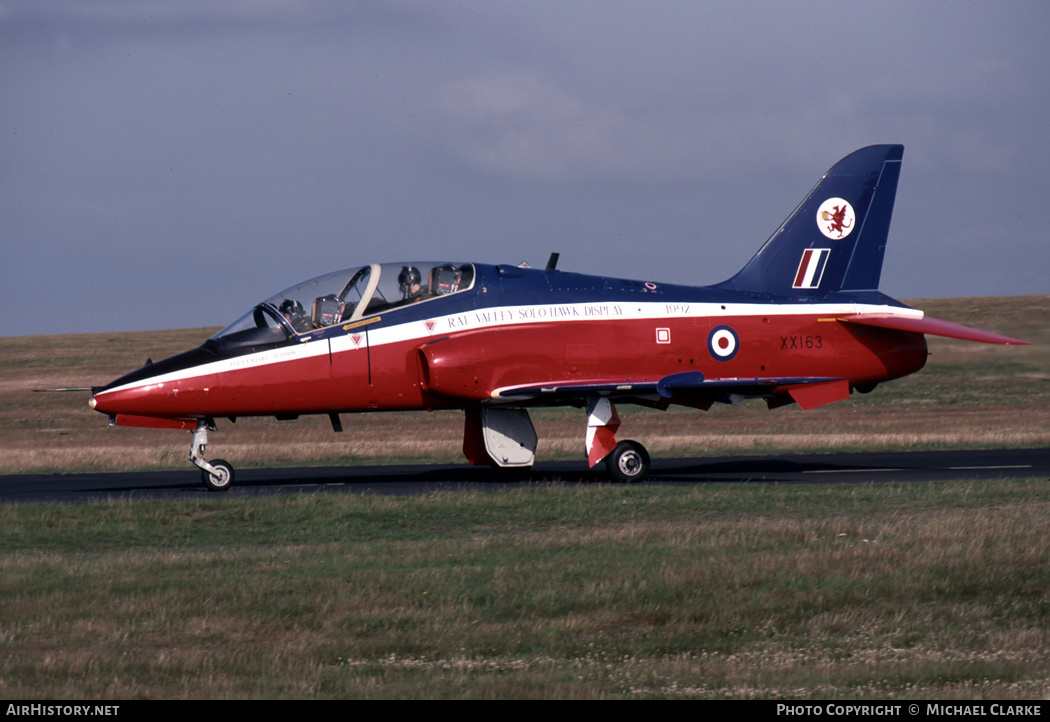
(216,475)
(219,480)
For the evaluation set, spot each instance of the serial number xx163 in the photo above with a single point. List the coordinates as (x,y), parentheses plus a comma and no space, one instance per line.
(788,343)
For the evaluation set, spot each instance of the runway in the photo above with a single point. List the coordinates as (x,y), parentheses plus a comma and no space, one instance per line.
(859,468)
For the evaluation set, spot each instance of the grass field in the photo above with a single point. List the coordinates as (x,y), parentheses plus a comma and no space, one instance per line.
(715,591)
(903,591)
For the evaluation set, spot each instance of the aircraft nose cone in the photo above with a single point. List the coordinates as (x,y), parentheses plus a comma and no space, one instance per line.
(118,401)
(101,402)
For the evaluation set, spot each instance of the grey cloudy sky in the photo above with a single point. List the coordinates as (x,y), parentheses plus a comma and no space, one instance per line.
(168,163)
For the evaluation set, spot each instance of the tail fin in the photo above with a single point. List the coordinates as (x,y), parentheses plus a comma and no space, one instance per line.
(836,238)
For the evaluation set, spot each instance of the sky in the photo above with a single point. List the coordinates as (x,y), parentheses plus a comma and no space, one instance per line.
(169,163)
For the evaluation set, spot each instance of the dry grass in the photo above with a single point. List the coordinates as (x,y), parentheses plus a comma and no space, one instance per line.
(969,395)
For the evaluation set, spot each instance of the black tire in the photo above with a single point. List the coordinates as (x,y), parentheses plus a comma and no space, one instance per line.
(223,481)
(628,462)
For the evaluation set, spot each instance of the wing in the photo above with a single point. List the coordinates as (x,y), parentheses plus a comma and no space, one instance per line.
(689,388)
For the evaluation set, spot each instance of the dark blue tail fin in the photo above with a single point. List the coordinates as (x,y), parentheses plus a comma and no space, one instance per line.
(835,239)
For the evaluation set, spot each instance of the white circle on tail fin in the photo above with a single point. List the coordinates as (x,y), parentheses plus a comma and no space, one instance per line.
(835,218)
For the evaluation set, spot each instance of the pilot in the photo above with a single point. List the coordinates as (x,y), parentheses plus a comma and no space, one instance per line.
(410,282)
(294,314)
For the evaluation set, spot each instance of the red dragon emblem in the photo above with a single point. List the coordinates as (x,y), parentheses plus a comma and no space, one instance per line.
(835,218)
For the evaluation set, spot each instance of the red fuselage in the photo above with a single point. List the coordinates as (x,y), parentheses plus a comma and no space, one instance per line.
(454,352)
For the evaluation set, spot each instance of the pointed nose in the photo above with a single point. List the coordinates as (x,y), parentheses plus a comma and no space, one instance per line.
(132,399)
(107,402)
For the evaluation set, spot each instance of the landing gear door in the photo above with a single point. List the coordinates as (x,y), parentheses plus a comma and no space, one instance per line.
(499,437)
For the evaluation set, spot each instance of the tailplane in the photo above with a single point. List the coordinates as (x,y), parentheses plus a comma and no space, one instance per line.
(836,238)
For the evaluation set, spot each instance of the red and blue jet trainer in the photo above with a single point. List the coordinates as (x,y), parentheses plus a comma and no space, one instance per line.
(803,322)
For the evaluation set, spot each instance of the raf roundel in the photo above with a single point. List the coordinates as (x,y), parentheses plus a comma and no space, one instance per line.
(835,218)
(723,343)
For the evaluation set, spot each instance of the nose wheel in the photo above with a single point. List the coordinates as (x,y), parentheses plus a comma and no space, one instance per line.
(221,478)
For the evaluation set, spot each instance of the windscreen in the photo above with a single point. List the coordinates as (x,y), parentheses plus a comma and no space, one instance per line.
(348,294)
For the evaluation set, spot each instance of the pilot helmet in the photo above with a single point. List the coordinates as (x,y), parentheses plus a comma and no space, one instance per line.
(291,307)
(408,277)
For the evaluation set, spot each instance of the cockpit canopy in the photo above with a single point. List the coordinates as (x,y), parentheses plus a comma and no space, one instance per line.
(344,296)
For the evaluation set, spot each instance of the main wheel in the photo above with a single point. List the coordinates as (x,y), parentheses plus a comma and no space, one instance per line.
(628,462)
(221,481)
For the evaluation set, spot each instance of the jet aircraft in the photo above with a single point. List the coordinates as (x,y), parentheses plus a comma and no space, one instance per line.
(803,322)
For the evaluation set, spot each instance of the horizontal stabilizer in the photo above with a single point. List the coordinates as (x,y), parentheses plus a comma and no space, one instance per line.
(932,326)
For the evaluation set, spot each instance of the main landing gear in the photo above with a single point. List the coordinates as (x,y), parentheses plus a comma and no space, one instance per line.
(217,475)
(626,461)
(505,439)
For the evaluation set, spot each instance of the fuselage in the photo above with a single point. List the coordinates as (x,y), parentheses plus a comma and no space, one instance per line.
(513,327)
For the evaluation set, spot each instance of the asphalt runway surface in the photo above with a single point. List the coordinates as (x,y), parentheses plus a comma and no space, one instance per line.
(861,468)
